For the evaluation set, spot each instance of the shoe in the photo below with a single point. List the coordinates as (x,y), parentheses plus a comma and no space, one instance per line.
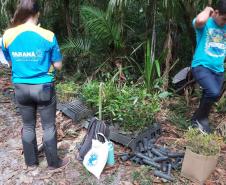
(30,168)
(63,163)
(203,127)
(200,117)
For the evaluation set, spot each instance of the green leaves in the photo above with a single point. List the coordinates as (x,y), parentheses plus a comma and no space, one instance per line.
(66,91)
(151,67)
(101,27)
(203,144)
(79,46)
(132,107)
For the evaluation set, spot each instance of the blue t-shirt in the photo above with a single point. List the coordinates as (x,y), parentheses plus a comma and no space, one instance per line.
(32,51)
(210,46)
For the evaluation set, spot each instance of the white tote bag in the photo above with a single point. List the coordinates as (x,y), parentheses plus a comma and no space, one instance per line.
(96,158)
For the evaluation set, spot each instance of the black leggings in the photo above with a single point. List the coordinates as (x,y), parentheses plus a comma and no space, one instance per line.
(41,98)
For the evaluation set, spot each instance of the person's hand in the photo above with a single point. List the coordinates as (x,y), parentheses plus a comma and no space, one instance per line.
(210,10)
(203,16)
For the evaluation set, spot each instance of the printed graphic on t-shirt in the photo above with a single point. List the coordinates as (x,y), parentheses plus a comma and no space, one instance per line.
(31,56)
(215,42)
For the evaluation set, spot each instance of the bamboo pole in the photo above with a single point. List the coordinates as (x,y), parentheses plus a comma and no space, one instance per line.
(100,100)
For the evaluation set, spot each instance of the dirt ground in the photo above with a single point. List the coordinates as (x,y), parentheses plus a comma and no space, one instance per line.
(13,171)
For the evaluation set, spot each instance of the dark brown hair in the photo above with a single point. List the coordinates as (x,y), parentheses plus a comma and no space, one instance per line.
(25,9)
(221,7)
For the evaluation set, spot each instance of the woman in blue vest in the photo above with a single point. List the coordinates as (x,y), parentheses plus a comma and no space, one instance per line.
(34,54)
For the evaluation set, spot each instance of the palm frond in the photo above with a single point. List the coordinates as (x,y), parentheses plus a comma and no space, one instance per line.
(76,47)
(101,27)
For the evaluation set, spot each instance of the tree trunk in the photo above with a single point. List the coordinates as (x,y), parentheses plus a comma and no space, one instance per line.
(68,18)
(188,15)
(168,45)
(77,15)
(210,2)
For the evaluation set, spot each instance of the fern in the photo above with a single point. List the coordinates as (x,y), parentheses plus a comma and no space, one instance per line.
(100,26)
(80,46)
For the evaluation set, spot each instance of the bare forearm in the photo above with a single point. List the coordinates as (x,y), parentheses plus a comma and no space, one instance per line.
(203,16)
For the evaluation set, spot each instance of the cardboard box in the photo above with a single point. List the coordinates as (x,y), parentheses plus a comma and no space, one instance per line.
(197,167)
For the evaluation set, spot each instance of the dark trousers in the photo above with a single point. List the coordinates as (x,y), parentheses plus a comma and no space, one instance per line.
(210,81)
(30,99)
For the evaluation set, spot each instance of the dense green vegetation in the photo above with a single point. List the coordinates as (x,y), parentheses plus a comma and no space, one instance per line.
(102,37)
(208,145)
(133,46)
(130,106)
